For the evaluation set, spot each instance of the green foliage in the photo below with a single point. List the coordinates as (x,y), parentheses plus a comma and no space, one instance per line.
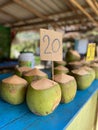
(24,41)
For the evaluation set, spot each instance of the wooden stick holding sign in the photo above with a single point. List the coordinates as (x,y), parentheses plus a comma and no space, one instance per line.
(50,46)
(91,52)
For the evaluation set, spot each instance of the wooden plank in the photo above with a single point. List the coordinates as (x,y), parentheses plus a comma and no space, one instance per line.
(29,8)
(6,3)
(83,11)
(51,21)
(70,5)
(90,3)
(95,3)
(14,113)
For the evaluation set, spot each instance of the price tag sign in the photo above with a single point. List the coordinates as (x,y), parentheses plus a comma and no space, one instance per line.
(50,45)
(91,52)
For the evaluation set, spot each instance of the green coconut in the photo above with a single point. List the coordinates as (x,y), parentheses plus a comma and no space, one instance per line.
(91,71)
(74,65)
(86,63)
(20,70)
(43,96)
(13,89)
(83,78)
(72,55)
(60,69)
(34,74)
(95,67)
(95,60)
(57,63)
(68,87)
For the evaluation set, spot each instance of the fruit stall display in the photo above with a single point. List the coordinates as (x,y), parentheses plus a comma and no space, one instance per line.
(45,96)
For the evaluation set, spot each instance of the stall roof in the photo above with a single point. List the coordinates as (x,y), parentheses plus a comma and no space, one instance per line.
(27,14)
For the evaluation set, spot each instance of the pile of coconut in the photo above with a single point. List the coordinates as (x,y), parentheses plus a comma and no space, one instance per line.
(42,94)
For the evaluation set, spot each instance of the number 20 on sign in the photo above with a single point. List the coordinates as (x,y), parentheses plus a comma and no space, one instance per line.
(90,52)
(50,45)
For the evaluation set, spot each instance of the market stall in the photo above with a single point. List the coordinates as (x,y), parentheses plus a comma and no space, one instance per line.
(65,96)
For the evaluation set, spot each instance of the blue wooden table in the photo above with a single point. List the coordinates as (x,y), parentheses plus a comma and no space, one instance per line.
(20,118)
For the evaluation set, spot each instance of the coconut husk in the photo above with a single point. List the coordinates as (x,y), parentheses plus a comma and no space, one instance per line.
(43,96)
(63,78)
(60,69)
(90,70)
(14,80)
(72,55)
(87,68)
(68,87)
(43,84)
(75,53)
(96,60)
(80,72)
(74,65)
(13,89)
(35,72)
(21,70)
(83,77)
(95,67)
(57,63)
(86,63)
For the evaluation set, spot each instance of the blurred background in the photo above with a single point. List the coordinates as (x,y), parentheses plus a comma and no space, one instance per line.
(21,21)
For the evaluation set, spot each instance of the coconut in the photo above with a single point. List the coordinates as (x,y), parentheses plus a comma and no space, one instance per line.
(91,71)
(72,55)
(34,74)
(20,70)
(60,69)
(68,87)
(43,96)
(13,89)
(57,63)
(96,60)
(83,78)
(74,65)
(95,67)
(86,63)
